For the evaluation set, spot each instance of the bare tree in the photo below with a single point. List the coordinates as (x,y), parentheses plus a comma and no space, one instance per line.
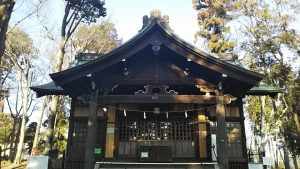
(18,54)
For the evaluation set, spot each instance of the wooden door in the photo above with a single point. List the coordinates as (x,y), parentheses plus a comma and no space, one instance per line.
(178,133)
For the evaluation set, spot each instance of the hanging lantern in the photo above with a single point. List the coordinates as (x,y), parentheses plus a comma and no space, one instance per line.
(156,110)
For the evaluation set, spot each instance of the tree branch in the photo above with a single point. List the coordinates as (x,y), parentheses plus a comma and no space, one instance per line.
(64,21)
(9,107)
(72,31)
(38,6)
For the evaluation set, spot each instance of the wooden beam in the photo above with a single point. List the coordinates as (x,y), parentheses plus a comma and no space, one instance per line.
(200,99)
(90,140)
(222,152)
(153,81)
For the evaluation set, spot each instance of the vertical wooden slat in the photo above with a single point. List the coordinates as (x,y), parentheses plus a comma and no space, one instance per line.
(221,134)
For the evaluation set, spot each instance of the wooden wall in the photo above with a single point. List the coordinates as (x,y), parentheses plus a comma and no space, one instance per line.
(233,112)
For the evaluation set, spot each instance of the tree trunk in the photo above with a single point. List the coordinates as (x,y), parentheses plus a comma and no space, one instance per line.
(49,133)
(295,161)
(15,130)
(271,149)
(297,122)
(262,126)
(17,160)
(285,154)
(6,8)
(1,101)
(12,139)
(24,115)
(60,55)
(276,157)
(17,136)
(37,131)
(54,104)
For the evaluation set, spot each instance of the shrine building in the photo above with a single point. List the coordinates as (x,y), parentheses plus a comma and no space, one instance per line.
(156,101)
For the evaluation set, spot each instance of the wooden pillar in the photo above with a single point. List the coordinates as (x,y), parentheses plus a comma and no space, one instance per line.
(202,134)
(90,140)
(221,134)
(71,125)
(243,131)
(110,133)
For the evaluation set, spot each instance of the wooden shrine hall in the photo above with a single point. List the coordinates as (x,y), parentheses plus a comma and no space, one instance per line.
(156,101)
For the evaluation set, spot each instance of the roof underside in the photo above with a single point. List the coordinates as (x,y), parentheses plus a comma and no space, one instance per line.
(51,89)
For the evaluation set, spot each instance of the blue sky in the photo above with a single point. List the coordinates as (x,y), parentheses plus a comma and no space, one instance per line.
(127,16)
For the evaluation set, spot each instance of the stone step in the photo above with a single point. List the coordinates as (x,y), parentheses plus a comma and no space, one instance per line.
(128,165)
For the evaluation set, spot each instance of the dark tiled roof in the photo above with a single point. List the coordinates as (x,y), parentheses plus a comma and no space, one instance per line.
(48,89)
(265,89)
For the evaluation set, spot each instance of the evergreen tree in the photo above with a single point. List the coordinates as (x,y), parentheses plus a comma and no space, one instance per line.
(213,15)
(96,38)
(76,12)
(267,28)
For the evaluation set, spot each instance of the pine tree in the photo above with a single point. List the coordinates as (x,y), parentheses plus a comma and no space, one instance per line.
(213,15)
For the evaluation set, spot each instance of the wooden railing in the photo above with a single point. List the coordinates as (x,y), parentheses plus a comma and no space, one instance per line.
(72,164)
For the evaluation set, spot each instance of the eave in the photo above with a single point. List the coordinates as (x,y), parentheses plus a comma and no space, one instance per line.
(265,89)
(48,89)
(145,37)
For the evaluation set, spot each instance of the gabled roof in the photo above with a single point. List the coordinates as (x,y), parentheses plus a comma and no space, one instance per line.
(104,69)
(155,32)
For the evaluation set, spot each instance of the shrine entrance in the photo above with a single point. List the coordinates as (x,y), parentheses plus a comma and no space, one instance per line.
(164,133)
